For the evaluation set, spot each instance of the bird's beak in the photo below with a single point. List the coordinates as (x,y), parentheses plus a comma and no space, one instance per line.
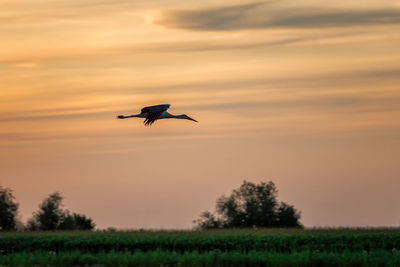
(192,119)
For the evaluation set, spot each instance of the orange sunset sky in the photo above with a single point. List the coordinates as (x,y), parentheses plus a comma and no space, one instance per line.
(303,93)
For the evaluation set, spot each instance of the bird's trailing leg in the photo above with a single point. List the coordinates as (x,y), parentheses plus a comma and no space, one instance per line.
(129,116)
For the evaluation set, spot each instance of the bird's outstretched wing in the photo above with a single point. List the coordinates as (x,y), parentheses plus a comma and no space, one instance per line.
(153,113)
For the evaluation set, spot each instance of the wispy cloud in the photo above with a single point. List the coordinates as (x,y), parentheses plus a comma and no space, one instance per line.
(50,11)
(27,64)
(316,93)
(269,15)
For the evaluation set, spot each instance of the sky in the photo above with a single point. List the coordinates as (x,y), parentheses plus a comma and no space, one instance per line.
(302,93)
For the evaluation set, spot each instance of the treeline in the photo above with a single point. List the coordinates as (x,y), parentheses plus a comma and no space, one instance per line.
(249,206)
(50,216)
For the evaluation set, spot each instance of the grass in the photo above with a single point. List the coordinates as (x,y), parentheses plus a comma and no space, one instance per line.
(278,240)
(238,247)
(212,258)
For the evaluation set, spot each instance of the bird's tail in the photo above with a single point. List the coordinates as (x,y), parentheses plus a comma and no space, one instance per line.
(121,117)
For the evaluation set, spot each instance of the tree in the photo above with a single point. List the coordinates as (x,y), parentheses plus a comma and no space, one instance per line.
(82,222)
(208,221)
(76,222)
(252,205)
(288,216)
(8,210)
(52,217)
(50,214)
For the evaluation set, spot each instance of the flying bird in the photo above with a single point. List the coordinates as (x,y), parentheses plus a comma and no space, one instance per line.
(157,112)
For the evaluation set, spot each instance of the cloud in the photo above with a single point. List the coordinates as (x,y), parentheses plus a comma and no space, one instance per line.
(268,15)
(329,80)
(50,11)
(59,113)
(27,64)
(207,45)
(354,103)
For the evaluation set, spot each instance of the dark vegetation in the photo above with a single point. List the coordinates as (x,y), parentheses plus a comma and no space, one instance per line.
(49,217)
(211,258)
(251,205)
(8,210)
(249,228)
(239,240)
(233,247)
(52,217)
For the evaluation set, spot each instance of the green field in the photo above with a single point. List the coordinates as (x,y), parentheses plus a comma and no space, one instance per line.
(263,247)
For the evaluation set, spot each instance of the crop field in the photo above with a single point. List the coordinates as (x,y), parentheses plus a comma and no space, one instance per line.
(255,247)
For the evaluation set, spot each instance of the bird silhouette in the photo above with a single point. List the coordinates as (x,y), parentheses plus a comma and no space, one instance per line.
(157,112)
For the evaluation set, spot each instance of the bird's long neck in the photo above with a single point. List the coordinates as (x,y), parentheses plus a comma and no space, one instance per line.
(180,116)
(166,115)
(170,116)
